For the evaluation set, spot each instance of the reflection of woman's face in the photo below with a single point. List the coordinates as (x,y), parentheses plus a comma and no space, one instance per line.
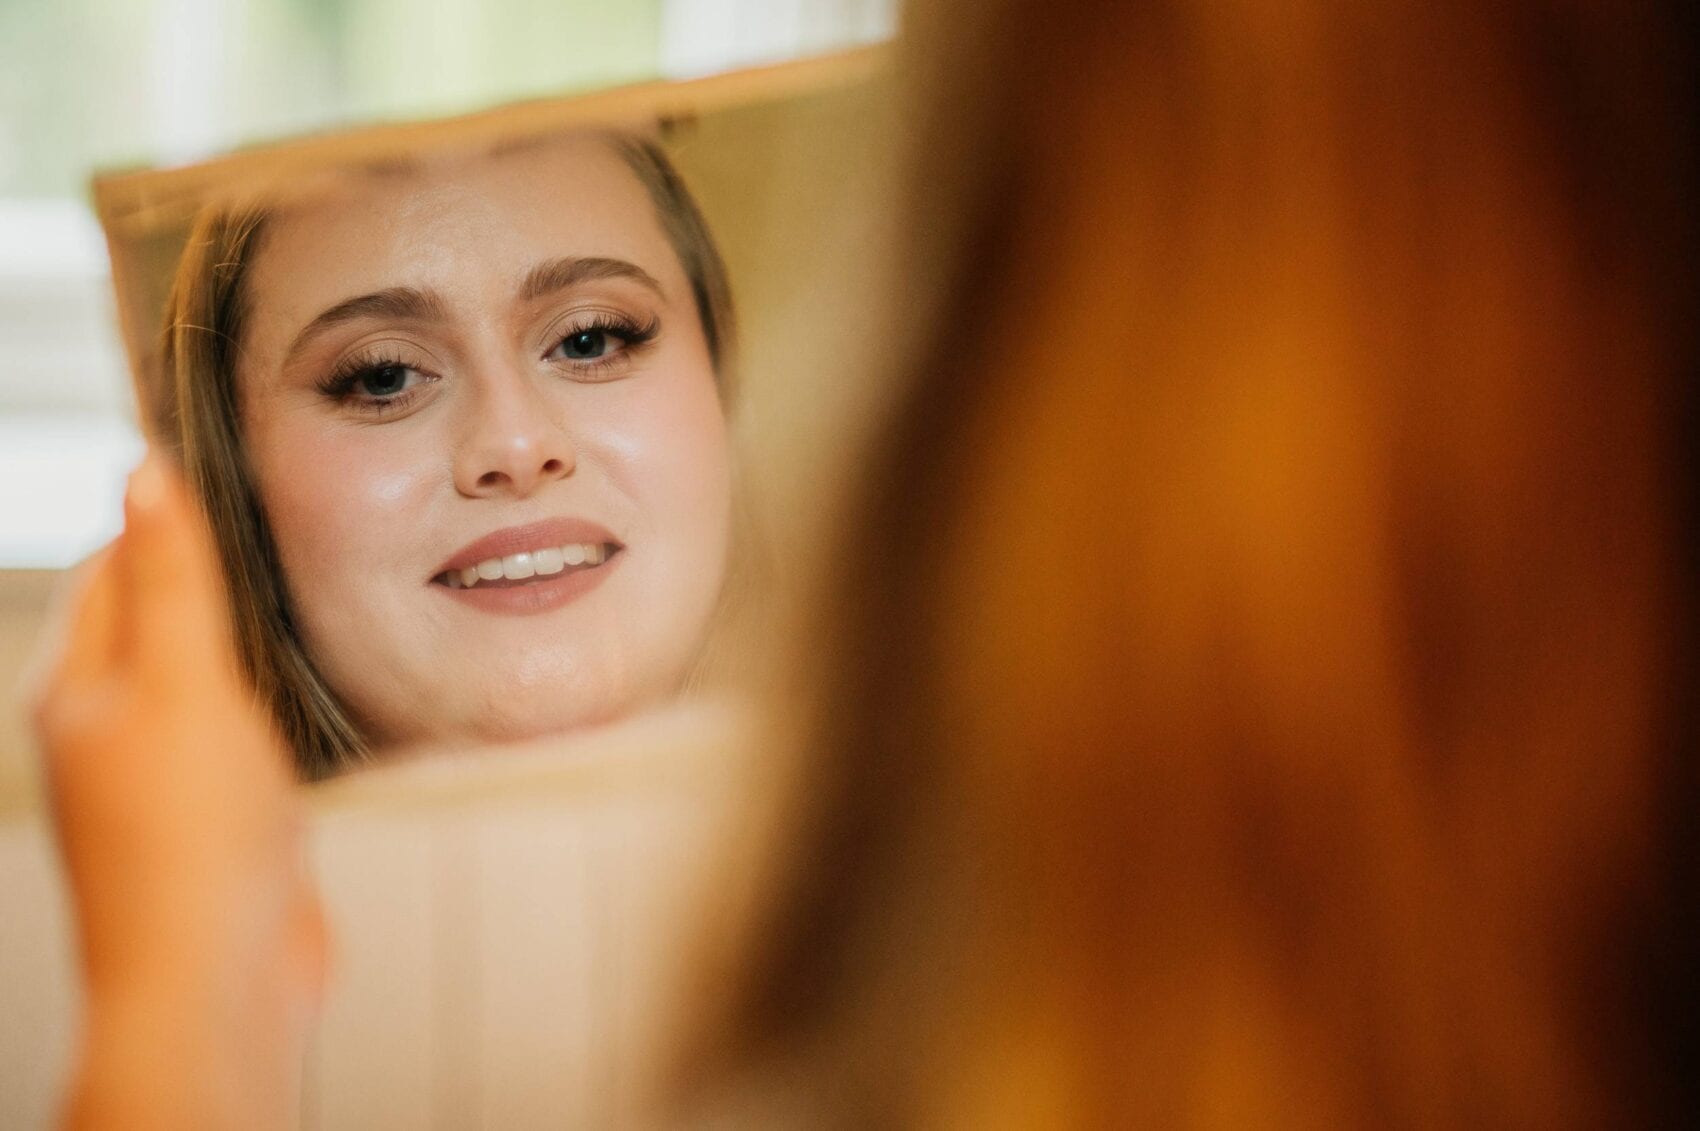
(480,409)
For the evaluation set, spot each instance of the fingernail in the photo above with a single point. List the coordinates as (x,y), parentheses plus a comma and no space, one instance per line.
(147,485)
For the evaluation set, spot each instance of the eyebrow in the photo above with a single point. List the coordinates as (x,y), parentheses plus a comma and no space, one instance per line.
(410,304)
(402,304)
(559,274)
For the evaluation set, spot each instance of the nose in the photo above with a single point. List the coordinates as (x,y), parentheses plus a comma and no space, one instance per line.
(513,442)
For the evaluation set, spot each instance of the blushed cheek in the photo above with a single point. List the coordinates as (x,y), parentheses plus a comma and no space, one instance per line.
(687,481)
(679,466)
(339,512)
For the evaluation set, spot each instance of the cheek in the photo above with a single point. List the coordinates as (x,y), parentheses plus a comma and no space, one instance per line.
(339,502)
(672,457)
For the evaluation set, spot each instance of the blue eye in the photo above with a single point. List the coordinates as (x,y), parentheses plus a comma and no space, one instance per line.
(375,386)
(585,345)
(382,380)
(602,343)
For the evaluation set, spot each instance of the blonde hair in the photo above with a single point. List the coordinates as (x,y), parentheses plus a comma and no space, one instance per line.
(196,409)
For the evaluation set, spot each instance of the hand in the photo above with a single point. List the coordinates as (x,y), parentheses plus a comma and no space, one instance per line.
(202,940)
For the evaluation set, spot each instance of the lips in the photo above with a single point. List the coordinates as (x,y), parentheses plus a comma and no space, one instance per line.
(524,555)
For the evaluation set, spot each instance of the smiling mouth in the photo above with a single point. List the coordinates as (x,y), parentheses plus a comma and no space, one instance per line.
(530,567)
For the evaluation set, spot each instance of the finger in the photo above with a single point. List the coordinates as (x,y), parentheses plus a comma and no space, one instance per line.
(71,692)
(170,590)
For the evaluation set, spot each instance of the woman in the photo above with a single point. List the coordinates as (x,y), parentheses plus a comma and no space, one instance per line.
(1287,719)
(460,428)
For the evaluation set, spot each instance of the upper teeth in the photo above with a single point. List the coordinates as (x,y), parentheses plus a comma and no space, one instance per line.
(518,567)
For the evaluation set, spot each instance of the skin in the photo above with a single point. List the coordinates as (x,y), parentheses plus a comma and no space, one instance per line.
(496,426)
(201,939)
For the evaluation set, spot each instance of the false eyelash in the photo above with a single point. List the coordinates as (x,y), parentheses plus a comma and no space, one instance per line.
(618,326)
(339,385)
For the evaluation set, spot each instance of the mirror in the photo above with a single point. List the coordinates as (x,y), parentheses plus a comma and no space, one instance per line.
(529,400)
(529,909)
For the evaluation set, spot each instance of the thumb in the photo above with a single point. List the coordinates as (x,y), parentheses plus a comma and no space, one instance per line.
(170,588)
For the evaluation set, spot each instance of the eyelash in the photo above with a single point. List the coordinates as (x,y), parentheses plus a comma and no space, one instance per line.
(341,384)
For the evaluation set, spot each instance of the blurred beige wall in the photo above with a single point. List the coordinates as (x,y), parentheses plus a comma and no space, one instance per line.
(24,596)
(513,937)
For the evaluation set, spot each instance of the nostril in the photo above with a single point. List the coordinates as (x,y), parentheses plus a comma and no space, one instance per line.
(553,467)
(490,478)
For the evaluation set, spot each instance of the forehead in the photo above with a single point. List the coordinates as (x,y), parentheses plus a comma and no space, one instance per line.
(469,226)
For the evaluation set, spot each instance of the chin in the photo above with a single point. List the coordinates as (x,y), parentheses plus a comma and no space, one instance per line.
(520,721)
(531,696)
